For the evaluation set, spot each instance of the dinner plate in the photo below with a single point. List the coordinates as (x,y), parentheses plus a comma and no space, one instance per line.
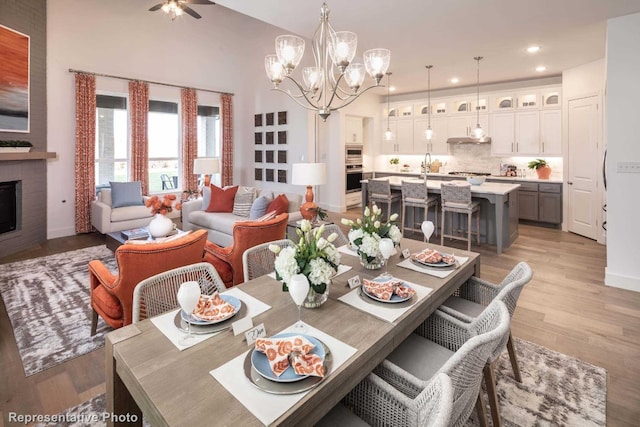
(208,329)
(394,298)
(260,362)
(235,302)
(440,264)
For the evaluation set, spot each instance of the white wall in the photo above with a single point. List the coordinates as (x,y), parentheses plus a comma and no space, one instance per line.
(222,51)
(623,144)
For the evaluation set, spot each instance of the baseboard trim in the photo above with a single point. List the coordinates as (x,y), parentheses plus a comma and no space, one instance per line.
(620,281)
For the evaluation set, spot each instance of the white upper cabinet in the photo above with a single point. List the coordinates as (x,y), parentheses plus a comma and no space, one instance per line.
(501,102)
(551,132)
(527,132)
(528,100)
(401,141)
(551,99)
(461,126)
(438,144)
(503,131)
(353,130)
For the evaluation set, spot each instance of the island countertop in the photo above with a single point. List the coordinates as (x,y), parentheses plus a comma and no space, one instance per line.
(500,188)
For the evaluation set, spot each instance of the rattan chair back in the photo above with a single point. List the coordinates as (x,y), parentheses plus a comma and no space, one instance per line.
(259,260)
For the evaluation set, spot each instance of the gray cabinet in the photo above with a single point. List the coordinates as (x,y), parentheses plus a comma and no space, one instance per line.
(528,201)
(539,202)
(550,203)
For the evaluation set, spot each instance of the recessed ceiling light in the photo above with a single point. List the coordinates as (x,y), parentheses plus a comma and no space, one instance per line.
(455,80)
(392,88)
(533,49)
(541,68)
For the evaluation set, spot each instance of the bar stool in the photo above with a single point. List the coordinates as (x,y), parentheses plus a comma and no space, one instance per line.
(456,198)
(416,195)
(380,193)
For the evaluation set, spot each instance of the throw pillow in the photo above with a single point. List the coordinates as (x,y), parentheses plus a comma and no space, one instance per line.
(259,207)
(280,204)
(126,194)
(242,204)
(206,197)
(222,200)
(266,217)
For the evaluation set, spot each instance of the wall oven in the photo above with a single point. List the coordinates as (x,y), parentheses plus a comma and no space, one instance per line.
(353,155)
(354,176)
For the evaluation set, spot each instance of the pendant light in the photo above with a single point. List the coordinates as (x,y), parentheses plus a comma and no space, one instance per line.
(429,132)
(478,132)
(388,134)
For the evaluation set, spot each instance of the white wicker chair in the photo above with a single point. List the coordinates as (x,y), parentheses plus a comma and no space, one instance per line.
(469,301)
(258,260)
(335,228)
(445,344)
(158,294)
(376,401)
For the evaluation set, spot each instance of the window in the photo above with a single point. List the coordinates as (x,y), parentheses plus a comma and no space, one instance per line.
(112,146)
(164,146)
(209,134)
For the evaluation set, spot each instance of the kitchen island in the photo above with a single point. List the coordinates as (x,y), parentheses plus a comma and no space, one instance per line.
(498,208)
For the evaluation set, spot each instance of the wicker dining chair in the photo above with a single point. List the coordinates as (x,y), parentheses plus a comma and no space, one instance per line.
(470,300)
(158,294)
(379,191)
(258,260)
(335,228)
(445,344)
(456,198)
(416,195)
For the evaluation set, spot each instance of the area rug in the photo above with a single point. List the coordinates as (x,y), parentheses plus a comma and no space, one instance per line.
(556,390)
(47,300)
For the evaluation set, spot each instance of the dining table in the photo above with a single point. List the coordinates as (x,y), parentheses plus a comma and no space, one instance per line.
(146,373)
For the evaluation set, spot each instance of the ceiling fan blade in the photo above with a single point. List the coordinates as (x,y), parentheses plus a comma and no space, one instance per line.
(156,7)
(190,11)
(198,2)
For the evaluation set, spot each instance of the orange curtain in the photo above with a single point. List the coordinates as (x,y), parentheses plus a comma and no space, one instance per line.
(85,149)
(189,117)
(139,111)
(227,139)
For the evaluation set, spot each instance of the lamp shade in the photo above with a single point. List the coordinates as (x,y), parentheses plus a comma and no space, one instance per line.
(309,174)
(206,165)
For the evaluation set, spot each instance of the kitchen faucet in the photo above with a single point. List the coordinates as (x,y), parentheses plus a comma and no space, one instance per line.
(427,165)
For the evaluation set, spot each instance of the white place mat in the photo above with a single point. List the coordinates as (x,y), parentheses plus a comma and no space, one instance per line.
(347,250)
(165,324)
(341,269)
(265,406)
(437,272)
(388,312)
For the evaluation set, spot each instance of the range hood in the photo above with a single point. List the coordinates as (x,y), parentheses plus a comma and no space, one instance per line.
(469,140)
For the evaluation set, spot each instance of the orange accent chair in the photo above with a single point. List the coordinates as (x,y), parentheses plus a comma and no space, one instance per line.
(246,234)
(112,294)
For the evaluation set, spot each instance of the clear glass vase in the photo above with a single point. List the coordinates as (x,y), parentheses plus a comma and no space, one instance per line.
(373,264)
(314,299)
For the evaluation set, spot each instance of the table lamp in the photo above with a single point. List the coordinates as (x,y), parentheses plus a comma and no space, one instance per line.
(309,174)
(206,166)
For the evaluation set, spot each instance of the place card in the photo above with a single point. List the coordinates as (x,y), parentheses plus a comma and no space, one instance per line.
(406,253)
(354,282)
(241,325)
(254,333)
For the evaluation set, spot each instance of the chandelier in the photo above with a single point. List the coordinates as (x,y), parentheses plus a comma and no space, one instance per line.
(333,52)
(478,132)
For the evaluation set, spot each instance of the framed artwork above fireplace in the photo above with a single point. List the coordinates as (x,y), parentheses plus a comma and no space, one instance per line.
(14,81)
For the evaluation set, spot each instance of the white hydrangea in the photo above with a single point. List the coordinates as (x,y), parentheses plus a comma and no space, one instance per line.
(355,234)
(286,264)
(332,254)
(321,271)
(370,245)
(395,234)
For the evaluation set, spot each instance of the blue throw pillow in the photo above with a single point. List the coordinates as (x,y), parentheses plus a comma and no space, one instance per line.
(126,194)
(259,207)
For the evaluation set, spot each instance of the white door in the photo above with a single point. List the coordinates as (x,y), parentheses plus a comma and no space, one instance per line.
(584,166)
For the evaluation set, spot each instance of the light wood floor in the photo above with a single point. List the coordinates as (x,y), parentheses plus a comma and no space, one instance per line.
(566,307)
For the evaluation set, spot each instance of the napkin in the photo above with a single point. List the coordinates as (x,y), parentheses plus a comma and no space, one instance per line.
(278,351)
(432,256)
(213,307)
(384,290)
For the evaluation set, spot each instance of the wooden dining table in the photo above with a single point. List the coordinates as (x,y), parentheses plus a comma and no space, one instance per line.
(147,374)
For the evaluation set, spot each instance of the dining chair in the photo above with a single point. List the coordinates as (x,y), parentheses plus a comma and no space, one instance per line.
(416,195)
(470,300)
(456,198)
(259,260)
(379,191)
(158,294)
(379,401)
(335,228)
(445,344)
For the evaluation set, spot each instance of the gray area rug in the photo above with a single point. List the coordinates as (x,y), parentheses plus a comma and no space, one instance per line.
(556,390)
(47,300)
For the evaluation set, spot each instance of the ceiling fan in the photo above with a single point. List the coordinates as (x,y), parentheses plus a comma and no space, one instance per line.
(178,7)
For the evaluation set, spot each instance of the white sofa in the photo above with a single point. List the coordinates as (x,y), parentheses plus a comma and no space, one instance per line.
(220,224)
(106,219)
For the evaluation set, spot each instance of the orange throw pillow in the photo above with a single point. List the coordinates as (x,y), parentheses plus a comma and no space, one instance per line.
(280,204)
(222,200)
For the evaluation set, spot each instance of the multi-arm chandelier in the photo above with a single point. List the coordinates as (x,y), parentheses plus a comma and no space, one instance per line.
(321,88)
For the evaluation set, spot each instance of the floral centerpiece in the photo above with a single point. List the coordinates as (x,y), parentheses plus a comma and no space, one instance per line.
(161,225)
(366,233)
(314,256)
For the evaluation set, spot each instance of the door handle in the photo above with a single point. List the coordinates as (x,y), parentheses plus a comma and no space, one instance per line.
(569,182)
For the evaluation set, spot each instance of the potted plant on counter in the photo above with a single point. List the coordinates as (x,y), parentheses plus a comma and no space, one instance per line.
(394,162)
(542,168)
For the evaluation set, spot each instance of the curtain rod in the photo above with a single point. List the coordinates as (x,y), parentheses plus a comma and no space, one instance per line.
(71,70)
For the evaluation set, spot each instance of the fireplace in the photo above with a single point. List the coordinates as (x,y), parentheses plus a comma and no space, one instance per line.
(8,206)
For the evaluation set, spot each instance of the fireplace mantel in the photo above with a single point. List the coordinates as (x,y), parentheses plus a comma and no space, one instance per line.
(32,155)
